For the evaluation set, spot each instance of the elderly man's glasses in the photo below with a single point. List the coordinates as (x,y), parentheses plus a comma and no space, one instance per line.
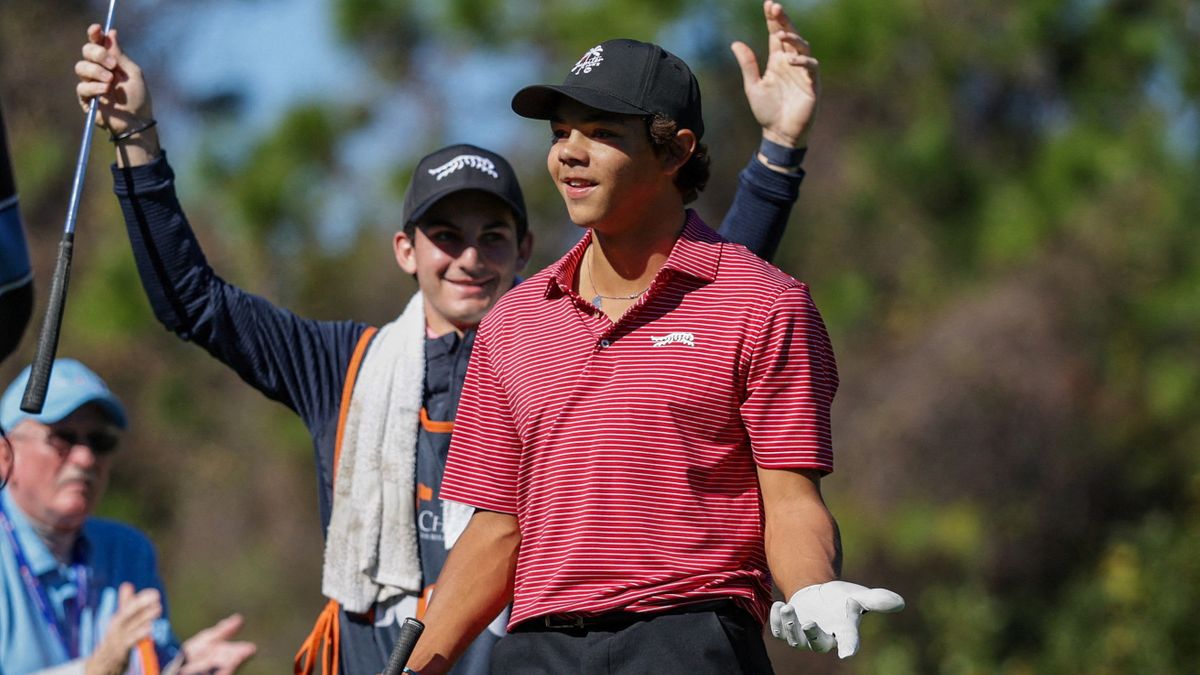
(101,443)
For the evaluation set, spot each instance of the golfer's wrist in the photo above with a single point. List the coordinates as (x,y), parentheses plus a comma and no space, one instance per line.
(781,157)
(139,149)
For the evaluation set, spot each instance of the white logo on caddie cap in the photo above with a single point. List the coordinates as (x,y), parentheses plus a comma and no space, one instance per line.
(593,58)
(483,164)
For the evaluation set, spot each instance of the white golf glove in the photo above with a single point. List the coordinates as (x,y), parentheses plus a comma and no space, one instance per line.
(822,616)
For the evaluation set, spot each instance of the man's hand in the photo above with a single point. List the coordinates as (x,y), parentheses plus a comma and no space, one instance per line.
(213,652)
(784,97)
(131,623)
(107,74)
(822,616)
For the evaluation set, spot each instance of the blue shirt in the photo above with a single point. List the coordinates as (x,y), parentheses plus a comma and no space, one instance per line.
(110,553)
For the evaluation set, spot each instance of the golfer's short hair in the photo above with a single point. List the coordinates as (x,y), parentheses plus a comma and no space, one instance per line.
(693,175)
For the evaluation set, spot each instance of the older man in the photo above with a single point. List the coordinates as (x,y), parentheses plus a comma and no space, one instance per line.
(82,594)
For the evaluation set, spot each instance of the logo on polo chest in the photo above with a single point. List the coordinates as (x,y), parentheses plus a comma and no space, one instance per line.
(688,339)
(593,58)
(481,164)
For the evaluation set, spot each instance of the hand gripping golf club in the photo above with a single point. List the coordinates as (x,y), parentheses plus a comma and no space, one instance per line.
(410,631)
(47,344)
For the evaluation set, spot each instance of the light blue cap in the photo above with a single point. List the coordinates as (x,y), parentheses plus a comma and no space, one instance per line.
(72,386)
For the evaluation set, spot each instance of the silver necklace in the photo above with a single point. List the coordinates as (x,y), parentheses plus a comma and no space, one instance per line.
(598,297)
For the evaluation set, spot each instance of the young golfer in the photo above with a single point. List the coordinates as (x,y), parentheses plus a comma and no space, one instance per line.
(645,423)
(380,405)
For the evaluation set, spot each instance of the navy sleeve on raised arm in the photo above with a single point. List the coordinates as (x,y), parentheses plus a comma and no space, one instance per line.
(760,210)
(298,362)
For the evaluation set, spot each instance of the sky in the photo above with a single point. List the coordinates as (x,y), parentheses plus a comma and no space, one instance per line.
(279,53)
(282,52)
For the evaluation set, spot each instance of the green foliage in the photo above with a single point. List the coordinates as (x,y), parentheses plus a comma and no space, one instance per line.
(390,31)
(1133,610)
(383,30)
(43,159)
(274,189)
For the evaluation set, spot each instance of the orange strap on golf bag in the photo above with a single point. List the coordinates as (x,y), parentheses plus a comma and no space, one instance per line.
(145,649)
(435,427)
(326,634)
(325,639)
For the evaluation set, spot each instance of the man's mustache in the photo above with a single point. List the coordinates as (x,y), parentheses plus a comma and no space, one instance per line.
(75,474)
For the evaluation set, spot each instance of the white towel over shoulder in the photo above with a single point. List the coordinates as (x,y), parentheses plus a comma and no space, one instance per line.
(371,548)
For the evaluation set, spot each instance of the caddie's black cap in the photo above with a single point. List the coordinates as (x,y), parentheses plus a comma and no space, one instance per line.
(463,167)
(626,77)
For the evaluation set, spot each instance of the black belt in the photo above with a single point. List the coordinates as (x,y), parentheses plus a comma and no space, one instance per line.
(611,621)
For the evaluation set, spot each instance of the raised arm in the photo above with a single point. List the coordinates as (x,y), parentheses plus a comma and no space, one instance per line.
(296,361)
(783,98)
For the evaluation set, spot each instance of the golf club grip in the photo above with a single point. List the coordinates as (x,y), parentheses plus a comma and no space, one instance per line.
(47,345)
(410,632)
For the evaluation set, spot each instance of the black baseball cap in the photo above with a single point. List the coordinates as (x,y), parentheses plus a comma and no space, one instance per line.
(626,77)
(463,167)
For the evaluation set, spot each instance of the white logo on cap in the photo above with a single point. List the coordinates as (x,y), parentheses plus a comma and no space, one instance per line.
(591,59)
(483,164)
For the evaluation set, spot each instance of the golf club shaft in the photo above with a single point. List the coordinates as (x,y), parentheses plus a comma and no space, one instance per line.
(47,344)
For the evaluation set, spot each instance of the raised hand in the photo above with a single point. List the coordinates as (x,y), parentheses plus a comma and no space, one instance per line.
(131,623)
(784,96)
(107,74)
(823,616)
(213,652)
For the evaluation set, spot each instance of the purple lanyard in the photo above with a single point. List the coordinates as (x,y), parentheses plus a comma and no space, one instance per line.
(42,600)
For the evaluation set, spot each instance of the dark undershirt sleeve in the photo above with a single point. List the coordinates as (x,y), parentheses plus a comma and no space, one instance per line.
(296,361)
(760,210)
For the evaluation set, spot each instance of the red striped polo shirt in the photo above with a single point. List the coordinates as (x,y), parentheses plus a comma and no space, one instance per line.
(627,451)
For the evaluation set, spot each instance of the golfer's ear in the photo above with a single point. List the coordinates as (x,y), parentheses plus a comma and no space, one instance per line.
(404,247)
(680,150)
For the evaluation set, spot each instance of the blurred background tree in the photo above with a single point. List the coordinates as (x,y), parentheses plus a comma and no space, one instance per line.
(999,225)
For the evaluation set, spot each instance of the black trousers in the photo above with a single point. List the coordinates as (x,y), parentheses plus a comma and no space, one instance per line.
(724,641)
